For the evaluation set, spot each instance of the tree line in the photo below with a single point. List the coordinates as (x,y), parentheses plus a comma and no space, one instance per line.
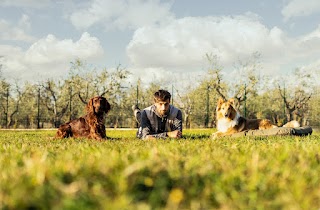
(49,103)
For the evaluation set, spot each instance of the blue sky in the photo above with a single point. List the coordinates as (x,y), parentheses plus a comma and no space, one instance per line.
(156,39)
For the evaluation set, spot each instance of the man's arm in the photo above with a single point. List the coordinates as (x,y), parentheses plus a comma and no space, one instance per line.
(177,127)
(177,123)
(146,131)
(176,130)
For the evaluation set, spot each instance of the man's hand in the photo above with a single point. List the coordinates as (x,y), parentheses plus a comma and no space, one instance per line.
(175,134)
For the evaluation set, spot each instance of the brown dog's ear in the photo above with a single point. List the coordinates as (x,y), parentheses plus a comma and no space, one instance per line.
(89,107)
(107,106)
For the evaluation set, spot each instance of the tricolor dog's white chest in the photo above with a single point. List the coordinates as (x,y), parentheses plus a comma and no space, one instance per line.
(225,123)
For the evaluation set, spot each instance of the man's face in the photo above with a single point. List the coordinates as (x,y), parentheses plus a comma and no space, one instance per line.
(162,106)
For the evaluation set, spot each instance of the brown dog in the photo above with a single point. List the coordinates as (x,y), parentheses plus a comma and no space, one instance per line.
(91,125)
(229,120)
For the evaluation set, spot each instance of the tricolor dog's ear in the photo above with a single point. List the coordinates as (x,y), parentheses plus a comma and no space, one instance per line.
(220,102)
(233,103)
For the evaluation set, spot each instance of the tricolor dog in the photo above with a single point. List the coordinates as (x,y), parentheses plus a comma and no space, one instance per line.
(230,121)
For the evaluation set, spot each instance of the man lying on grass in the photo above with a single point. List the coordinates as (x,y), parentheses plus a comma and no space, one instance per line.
(159,121)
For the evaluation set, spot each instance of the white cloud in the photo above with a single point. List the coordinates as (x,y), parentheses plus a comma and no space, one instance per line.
(10,32)
(314,69)
(25,3)
(183,43)
(180,46)
(50,49)
(165,77)
(297,8)
(313,35)
(48,57)
(122,14)
(12,58)
(305,49)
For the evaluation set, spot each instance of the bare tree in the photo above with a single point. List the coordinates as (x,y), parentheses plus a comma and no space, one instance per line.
(296,96)
(240,88)
(4,96)
(15,105)
(215,79)
(54,100)
(247,78)
(186,105)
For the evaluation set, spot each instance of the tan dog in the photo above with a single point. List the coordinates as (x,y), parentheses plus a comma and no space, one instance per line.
(229,120)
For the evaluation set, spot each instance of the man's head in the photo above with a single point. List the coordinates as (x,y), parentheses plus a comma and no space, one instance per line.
(162,101)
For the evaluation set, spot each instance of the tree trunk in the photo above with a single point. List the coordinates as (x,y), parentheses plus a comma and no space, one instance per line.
(187,121)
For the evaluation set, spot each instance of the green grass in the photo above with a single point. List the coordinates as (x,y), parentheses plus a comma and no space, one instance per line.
(39,172)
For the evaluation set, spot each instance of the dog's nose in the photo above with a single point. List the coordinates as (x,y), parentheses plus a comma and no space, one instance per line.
(226,115)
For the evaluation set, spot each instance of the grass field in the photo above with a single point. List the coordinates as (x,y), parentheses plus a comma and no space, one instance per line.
(38,172)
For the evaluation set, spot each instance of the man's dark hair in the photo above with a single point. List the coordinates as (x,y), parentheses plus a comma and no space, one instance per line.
(161,95)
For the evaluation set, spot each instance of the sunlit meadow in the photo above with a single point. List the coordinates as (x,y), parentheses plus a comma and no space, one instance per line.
(123,172)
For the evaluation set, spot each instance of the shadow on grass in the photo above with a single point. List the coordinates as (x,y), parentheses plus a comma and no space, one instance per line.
(196,136)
